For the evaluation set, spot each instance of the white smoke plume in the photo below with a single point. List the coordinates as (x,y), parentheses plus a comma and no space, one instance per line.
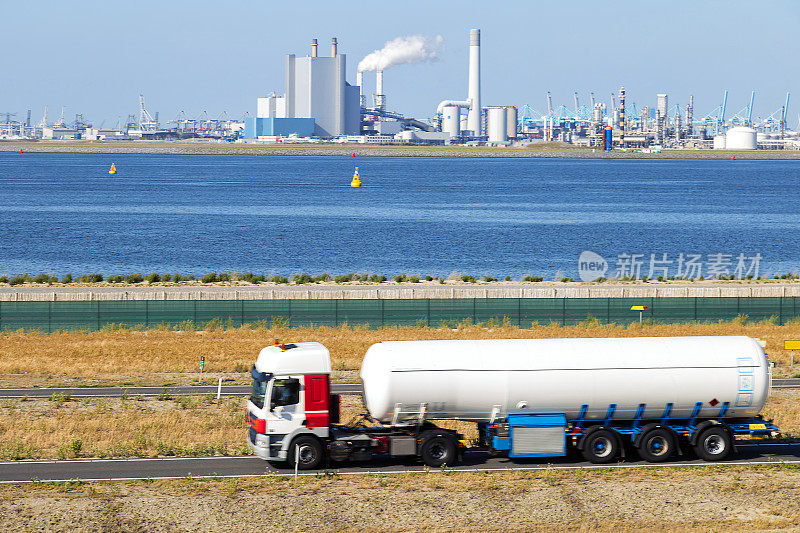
(402,50)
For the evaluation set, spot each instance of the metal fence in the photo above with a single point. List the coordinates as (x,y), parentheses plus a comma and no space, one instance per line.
(49,316)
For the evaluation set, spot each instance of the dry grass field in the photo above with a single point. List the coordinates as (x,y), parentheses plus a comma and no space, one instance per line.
(139,355)
(696,499)
(62,428)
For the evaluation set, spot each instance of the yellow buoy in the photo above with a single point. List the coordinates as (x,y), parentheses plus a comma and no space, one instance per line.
(113,169)
(356,179)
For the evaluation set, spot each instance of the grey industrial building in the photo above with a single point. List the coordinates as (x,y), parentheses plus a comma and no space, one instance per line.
(318,100)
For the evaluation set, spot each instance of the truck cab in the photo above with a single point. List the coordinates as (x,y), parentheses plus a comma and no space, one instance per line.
(293,417)
(290,401)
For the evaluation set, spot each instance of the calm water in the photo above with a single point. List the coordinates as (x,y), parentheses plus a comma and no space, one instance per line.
(64,213)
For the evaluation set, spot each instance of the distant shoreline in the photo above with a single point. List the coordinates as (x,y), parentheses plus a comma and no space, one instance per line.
(360,150)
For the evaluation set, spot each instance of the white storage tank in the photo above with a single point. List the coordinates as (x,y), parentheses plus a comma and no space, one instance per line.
(497,124)
(719,142)
(511,122)
(451,120)
(741,138)
(476,379)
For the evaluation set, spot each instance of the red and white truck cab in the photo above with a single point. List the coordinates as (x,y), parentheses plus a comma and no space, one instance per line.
(290,402)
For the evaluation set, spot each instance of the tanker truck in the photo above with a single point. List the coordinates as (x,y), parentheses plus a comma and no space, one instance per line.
(604,398)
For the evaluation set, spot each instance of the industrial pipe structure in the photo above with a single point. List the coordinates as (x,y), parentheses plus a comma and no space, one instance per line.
(473,101)
(455,103)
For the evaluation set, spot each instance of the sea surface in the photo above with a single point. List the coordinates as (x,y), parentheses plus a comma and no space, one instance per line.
(64,213)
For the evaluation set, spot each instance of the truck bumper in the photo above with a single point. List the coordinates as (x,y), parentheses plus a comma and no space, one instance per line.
(266,447)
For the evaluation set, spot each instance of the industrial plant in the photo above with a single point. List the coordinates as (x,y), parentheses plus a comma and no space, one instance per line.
(320,105)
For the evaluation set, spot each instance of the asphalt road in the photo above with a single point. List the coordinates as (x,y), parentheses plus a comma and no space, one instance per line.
(247,466)
(115,392)
(227,390)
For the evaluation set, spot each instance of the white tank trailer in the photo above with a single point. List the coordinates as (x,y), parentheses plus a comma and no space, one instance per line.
(605,397)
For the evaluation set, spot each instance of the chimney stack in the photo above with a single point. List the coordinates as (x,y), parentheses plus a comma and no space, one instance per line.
(474,92)
(333,46)
(622,117)
(380,98)
(313,48)
(360,84)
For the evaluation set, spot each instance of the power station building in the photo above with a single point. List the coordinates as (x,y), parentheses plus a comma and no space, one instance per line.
(318,101)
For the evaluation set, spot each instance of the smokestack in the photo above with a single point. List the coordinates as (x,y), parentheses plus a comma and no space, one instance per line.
(333,46)
(360,83)
(622,117)
(379,97)
(313,48)
(474,93)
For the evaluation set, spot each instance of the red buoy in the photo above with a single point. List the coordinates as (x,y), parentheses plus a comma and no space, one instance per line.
(733,158)
(354,154)
(20,150)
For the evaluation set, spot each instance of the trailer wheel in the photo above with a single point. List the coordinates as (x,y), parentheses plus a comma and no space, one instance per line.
(310,452)
(713,444)
(657,445)
(600,446)
(437,450)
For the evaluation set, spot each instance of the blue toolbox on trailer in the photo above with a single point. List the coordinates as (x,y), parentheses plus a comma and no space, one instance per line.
(534,435)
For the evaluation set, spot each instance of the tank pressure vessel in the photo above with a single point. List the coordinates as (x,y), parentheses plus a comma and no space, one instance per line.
(481,379)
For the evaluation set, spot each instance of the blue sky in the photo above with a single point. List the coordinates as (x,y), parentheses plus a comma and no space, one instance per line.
(95,57)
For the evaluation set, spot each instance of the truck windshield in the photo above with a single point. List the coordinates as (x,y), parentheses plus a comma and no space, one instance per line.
(285,392)
(259,388)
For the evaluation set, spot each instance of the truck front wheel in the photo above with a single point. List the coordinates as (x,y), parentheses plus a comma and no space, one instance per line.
(438,450)
(309,452)
(600,446)
(713,444)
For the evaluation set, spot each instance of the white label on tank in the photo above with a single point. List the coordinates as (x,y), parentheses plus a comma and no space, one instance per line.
(746,382)
(745,365)
(744,399)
